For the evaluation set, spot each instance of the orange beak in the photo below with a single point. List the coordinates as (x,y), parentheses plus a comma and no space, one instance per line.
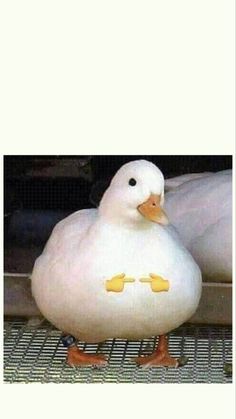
(152,210)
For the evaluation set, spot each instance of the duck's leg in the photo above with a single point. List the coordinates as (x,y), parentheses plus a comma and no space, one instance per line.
(76,357)
(160,358)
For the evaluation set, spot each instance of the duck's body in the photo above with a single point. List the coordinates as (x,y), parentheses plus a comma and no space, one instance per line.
(83,252)
(91,247)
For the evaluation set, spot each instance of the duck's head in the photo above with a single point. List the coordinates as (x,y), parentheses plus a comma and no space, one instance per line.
(135,195)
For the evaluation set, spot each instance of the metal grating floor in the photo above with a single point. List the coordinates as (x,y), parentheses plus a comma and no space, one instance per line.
(35,354)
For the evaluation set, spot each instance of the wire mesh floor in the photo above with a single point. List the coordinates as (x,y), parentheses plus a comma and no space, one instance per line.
(36,354)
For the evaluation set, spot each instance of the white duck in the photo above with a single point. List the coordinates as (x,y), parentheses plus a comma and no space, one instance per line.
(118,272)
(200,208)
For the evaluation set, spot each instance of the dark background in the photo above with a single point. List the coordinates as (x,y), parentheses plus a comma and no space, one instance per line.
(41,190)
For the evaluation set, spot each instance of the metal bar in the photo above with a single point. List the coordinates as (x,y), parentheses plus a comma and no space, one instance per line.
(35,354)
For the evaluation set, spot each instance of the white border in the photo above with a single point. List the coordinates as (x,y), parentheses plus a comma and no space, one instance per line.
(50,107)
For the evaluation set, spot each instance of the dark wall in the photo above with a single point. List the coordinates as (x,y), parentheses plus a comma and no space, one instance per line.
(106,166)
(59,182)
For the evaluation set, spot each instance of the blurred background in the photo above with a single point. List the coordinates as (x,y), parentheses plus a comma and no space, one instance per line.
(41,190)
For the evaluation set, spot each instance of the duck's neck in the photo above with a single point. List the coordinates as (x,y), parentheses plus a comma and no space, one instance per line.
(126,224)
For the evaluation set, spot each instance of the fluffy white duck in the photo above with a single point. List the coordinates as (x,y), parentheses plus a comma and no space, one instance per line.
(118,272)
(200,207)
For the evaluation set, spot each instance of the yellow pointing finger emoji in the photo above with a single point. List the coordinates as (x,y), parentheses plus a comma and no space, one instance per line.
(116,283)
(158,284)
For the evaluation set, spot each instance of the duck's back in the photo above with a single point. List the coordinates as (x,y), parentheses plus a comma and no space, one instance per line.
(201,211)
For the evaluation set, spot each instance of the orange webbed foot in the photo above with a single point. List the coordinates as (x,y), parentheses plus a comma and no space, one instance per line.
(76,358)
(157,360)
(161,357)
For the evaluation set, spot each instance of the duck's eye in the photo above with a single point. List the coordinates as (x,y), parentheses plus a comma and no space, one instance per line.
(132,182)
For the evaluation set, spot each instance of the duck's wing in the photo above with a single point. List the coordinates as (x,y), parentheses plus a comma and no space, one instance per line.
(69,232)
(213,251)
